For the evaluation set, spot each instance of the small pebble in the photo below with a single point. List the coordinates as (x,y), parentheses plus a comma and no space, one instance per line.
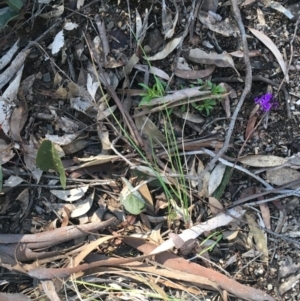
(270,287)
(47,77)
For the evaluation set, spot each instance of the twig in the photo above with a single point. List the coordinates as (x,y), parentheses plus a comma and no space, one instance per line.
(247,88)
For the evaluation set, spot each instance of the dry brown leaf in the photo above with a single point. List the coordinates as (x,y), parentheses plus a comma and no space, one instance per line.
(194,74)
(224,28)
(49,289)
(240,53)
(251,122)
(215,206)
(259,238)
(265,213)
(199,56)
(269,43)
(144,191)
(282,176)
(17,120)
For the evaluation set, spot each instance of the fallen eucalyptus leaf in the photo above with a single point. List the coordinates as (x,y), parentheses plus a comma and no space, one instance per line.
(131,199)
(48,158)
(269,43)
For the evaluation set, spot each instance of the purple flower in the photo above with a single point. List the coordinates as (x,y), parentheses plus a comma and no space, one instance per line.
(265,102)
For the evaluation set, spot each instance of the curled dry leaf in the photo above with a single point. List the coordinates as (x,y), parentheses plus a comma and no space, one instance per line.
(269,43)
(72,194)
(83,206)
(166,51)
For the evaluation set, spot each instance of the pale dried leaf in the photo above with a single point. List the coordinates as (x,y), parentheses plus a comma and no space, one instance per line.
(215,206)
(17,120)
(92,87)
(259,238)
(194,74)
(70,195)
(282,176)
(49,289)
(16,64)
(265,213)
(192,117)
(262,160)
(224,28)
(11,92)
(166,51)
(216,178)
(269,43)
(62,140)
(277,6)
(70,26)
(13,181)
(96,160)
(149,129)
(57,11)
(199,56)
(58,42)
(240,53)
(5,59)
(83,206)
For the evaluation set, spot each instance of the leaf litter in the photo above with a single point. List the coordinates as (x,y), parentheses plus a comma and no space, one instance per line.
(156,146)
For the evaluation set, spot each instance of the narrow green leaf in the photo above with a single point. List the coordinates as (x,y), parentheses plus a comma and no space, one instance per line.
(16,5)
(7,14)
(48,158)
(131,199)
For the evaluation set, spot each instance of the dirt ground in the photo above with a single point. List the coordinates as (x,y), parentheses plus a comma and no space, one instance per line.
(260,249)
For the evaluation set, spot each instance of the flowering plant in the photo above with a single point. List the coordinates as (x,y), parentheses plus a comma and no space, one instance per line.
(266,102)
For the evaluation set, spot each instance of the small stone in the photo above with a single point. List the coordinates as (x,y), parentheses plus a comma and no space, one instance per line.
(270,287)
(47,77)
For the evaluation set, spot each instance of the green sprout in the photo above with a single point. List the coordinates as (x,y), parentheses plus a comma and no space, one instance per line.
(207,105)
(158,90)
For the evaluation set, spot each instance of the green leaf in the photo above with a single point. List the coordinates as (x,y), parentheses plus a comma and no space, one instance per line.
(131,199)
(16,5)
(7,14)
(48,158)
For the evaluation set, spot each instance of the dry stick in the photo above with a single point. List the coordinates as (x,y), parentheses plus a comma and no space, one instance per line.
(248,83)
(128,120)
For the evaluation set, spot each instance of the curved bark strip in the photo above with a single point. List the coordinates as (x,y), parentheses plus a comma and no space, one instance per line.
(23,246)
(175,262)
